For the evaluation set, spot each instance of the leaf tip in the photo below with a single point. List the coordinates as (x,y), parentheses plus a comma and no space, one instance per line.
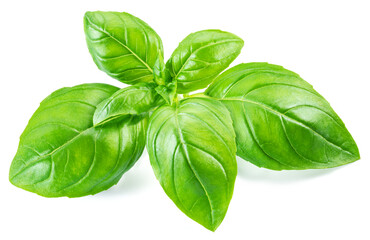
(356,154)
(87,15)
(213,224)
(14,170)
(212,228)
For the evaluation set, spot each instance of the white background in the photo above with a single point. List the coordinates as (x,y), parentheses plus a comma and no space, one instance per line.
(42,48)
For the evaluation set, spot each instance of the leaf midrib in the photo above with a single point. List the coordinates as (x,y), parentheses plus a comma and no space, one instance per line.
(208,45)
(264,106)
(42,157)
(182,142)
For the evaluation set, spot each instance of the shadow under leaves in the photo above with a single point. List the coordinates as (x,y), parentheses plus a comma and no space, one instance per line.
(250,172)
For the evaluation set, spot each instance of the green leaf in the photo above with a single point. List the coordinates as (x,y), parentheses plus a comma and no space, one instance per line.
(167,92)
(61,153)
(201,56)
(160,72)
(280,121)
(167,87)
(123,46)
(134,100)
(191,146)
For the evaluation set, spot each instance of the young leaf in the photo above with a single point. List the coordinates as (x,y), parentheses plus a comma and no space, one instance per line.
(61,153)
(134,100)
(166,85)
(280,121)
(122,45)
(160,72)
(191,146)
(168,92)
(201,56)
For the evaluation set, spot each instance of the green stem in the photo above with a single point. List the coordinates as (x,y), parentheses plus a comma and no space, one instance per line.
(199,95)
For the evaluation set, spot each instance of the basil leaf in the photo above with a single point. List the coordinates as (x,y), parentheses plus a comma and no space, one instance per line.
(123,46)
(166,86)
(280,121)
(133,100)
(191,146)
(160,72)
(201,56)
(61,153)
(168,92)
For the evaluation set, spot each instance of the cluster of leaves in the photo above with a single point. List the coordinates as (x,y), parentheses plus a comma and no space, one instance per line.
(82,139)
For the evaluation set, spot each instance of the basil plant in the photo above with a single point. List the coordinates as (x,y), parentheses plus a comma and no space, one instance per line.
(82,139)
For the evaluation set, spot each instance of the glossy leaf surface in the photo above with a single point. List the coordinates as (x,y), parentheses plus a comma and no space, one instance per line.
(201,56)
(280,121)
(122,45)
(134,100)
(192,150)
(61,153)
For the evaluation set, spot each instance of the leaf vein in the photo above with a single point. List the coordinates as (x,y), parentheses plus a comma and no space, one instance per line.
(126,47)
(190,165)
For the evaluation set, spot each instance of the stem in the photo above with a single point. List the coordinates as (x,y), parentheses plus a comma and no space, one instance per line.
(199,95)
